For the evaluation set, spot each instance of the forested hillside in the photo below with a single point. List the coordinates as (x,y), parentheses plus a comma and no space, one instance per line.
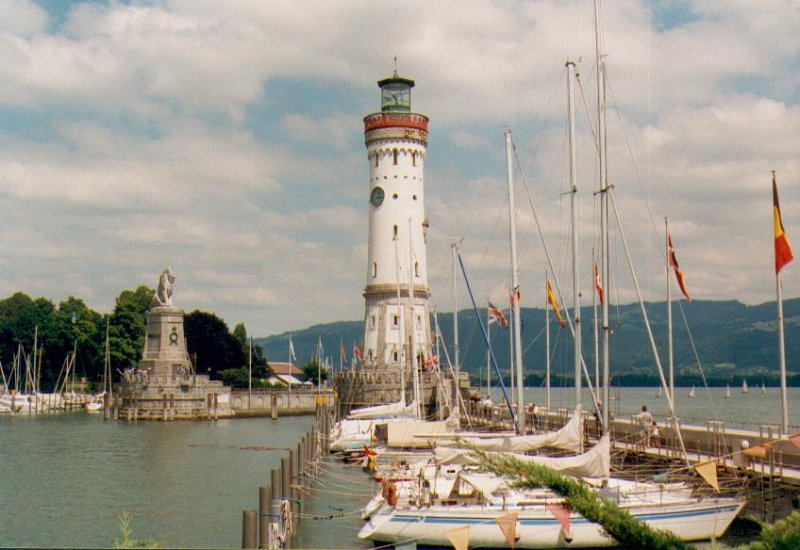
(732,340)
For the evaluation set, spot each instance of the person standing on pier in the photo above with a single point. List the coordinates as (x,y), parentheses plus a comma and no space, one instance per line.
(646,424)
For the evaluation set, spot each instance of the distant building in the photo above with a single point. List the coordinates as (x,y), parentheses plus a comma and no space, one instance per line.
(285,374)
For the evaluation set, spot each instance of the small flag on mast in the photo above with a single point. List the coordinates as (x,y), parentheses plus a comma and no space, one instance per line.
(292,356)
(551,297)
(673,263)
(783,250)
(597,286)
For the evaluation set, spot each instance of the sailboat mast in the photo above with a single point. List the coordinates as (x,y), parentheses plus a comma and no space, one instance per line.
(604,243)
(573,181)
(456,388)
(547,342)
(488,356)
(512,230)
(413,325)
(670,356)
(400,322)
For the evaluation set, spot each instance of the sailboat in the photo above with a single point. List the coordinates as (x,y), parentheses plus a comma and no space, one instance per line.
(763,389)
(727,391)
(745,389)
(691,393)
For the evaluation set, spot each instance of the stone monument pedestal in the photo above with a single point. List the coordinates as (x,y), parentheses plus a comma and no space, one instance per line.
(164,386)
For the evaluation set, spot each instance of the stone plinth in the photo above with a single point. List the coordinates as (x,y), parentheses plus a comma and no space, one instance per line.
(165,386)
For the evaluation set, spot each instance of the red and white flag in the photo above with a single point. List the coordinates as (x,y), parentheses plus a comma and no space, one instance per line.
(673,263)
(597,285)
(357,352)
(496,315)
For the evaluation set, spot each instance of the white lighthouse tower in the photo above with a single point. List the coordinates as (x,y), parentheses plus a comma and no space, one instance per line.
(397,329)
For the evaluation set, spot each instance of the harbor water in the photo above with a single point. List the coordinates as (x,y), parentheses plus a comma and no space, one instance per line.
(67,477)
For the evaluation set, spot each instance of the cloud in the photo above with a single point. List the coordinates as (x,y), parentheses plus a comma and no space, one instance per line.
(225,140)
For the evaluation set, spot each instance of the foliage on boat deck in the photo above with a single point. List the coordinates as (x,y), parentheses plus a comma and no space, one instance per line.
(617,523)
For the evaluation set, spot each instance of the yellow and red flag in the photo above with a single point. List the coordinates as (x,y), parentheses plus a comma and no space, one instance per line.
(551,297)
(783,251)
(673,263)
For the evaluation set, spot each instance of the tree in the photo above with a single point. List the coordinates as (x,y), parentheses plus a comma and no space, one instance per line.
(212,346)
(260,367)
(313,370)
(128,325)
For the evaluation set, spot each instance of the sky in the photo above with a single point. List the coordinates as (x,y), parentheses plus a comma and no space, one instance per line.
(225,140)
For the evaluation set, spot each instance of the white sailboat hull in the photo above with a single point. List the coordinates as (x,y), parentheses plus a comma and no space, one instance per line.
(538,528)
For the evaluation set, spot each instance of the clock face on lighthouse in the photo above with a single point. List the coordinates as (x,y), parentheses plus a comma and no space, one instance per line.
(376,197)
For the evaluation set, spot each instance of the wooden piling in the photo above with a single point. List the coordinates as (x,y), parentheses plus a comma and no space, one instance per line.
(249,528)
(264,515)
(106,406)
(273,406)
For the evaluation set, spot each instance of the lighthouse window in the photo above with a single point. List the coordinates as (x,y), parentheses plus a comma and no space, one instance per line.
(414,197)
(396,357)
(374,269)
(395,321)
(372,322)
(394,156)
(394,232)
(416,269)
(394,196)
(414,158)
(419,322)
(376,159)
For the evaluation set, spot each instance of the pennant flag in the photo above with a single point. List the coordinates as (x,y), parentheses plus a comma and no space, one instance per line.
(508,525)
(458,537)
(597,286)
(342,352)
(430,361)
(673,263)
(292,356)
(708,471)
(795,439)
(783,251)
(759,451)
(357,352)
(561,513)
(551,297)
(496,315)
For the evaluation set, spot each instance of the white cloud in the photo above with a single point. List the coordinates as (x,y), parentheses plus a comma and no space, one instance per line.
(225,140)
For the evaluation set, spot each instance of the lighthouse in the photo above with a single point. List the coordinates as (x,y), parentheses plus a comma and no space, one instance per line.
(397,329)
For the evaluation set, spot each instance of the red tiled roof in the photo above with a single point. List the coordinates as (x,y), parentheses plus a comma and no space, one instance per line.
(284,368)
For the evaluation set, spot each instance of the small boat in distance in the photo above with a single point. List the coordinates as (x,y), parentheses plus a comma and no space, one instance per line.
(745,389)
(691,393)
(763,388)
(727,391)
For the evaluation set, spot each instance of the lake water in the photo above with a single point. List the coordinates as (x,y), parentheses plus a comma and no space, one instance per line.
(745,411)
(65,478)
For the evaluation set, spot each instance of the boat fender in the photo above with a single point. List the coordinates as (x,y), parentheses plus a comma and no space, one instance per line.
(391,495)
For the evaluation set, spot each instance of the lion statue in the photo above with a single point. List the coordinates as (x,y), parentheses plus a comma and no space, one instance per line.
(166,283)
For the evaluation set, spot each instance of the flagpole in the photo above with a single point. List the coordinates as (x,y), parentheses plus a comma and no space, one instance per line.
(784,259)
(456,382)
(594,326)
(250,373)
(782,355)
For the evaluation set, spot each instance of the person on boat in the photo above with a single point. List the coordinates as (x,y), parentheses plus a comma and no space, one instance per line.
(536,415)
(654,434)
(646,425)
(487,405)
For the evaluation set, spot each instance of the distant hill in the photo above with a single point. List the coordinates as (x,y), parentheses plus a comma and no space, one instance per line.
(733,340)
